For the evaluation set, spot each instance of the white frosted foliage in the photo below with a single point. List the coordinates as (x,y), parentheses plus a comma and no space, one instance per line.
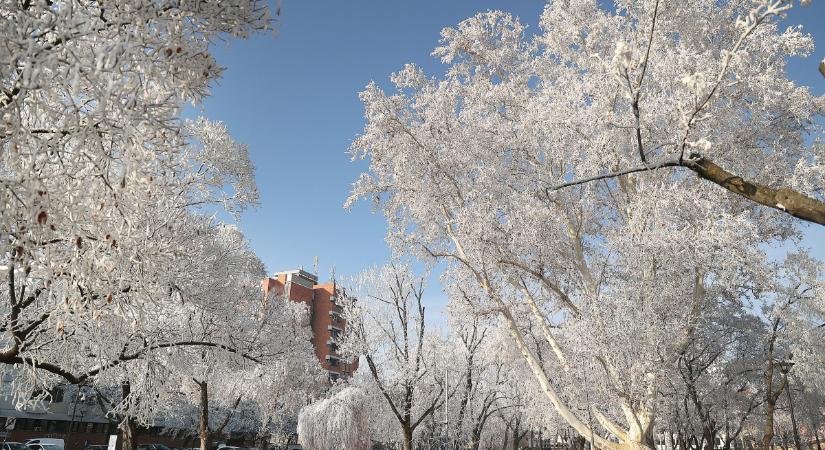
(338,422)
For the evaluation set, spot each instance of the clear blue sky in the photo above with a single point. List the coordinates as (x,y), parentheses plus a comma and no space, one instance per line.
(293,98)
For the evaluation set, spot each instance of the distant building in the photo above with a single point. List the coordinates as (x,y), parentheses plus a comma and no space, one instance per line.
(74,414)
(324,302)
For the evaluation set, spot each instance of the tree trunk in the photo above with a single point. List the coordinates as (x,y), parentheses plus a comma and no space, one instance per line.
(784,439)
(406,444)
(562,409)
(468,387)
(127,428)
(264,437)
(475,442)
(709,435)
(516,436)
(127,425)
(203,430)
(767,436)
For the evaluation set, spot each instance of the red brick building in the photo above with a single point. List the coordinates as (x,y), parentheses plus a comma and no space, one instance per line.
(325,310)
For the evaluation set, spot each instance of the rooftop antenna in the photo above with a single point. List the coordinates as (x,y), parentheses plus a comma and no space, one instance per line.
(333,273)
(315,265)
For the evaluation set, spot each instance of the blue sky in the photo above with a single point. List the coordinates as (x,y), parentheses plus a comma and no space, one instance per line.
(293,98)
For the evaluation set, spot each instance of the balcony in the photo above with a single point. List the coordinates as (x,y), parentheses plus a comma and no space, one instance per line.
(335,328)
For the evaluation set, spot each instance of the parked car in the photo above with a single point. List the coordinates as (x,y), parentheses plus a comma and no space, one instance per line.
(14,446)
(152,447)
(43,447)
(59,443)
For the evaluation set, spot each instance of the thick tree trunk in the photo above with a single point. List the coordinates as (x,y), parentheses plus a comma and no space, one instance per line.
(127,428)
(465,397)
(551,393)
(203,430)
(127,425)
(767,436)
(406,444)
(709,436)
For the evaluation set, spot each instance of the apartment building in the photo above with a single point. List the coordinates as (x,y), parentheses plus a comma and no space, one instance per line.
(324,302)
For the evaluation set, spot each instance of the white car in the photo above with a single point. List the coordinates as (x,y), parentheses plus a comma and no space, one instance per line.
(43,447)
(59,443)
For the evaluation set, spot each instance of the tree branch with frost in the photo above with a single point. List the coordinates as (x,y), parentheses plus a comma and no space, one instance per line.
(786,200)
(81,377)
(542,320)
(552,287)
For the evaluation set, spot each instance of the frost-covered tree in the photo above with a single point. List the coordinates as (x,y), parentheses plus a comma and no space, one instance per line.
(224,358)
(265,364)
(340,421)
(481,373)
(387,328)
(103,187)
(555,175)
(794,315)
